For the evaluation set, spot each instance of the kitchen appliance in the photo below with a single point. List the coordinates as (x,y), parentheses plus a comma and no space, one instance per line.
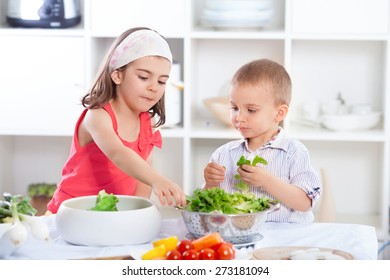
(173,97)
(43,13)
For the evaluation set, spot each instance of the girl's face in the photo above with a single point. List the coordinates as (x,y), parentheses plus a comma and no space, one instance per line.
(254,113)
(142,84)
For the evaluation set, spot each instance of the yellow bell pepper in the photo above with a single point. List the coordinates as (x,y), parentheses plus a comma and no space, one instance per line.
(169,242)
(155,253)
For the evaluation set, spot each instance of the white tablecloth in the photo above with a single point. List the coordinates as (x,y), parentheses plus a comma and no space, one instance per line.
(358,240)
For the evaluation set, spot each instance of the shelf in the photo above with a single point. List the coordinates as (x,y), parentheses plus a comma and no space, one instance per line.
(225,134)
(323,134)
(225,34)
(77,31)
(338,37)
(172,132)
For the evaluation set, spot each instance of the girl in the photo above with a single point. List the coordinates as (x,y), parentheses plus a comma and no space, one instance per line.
(114,135)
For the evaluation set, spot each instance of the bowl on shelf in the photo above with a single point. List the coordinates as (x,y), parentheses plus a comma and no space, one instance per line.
(229,14)
(349,122)
(237,229)
(236,19)
(137,221)
(238,5)
(220,108)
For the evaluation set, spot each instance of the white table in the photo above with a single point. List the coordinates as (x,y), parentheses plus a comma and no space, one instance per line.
(358,240)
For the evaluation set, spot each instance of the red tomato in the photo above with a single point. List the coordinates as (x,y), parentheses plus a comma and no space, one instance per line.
(184,245)
(216,247)
(207,254)
(190,254)
(225,252)
(173,255)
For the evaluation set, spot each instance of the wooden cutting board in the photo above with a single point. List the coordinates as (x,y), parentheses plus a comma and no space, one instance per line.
(124,257)
(299,252)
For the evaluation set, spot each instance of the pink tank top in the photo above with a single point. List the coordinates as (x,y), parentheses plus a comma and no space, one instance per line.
(88,170)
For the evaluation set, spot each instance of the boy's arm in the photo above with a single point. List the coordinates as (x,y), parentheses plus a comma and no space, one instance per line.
(288,194)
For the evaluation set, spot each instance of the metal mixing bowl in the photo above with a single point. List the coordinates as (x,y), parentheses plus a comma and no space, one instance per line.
(234,228)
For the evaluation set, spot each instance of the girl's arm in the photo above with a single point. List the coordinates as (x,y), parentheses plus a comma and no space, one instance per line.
(143,189)
(98,125)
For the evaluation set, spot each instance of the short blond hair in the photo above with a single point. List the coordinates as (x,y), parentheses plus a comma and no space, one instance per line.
(265,70)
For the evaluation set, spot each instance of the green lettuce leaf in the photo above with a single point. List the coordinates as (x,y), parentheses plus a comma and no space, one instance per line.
(216,199)
(105,202)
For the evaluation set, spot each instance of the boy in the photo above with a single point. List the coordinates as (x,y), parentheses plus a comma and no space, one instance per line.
(260,96)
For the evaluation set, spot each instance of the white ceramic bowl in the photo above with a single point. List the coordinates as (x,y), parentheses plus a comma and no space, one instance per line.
(348,122)
(220,108)
(137,221)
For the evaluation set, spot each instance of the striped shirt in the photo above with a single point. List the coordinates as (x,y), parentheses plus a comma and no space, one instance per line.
(288,159)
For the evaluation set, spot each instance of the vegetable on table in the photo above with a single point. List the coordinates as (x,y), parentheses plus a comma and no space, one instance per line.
(156,253)
(208,247)
(207,241)
(17,210)
(241,185)
(207,254)
(225,252)
(20,203)
(184,245)
(18,233)
(38,228)
(170,243)
(173,255)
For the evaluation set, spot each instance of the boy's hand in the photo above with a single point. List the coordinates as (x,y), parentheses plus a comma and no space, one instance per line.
(252,175)
(214,174)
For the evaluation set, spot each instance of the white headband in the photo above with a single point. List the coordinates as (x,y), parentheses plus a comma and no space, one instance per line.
(139,44)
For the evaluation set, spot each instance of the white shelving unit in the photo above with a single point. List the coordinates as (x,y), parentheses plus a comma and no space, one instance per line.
(327,46)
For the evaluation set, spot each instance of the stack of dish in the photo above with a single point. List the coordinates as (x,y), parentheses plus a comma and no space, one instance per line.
(236,13)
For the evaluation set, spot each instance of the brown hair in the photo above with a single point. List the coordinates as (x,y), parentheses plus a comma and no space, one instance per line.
(104,89)
(265,70)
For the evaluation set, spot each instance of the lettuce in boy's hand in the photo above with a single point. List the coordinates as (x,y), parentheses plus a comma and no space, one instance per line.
(241,185)
(105,202)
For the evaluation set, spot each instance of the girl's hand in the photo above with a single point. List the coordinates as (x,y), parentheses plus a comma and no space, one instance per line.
(214,174)
(166,189)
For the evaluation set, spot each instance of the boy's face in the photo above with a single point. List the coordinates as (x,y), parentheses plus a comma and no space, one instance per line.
(253,111)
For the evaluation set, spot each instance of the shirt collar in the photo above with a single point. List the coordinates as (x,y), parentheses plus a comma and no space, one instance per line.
(280,141)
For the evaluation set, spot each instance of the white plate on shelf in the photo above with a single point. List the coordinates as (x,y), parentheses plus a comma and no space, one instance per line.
(349,122)
(234,25)
(240,19)
(237,15)
(222,5)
